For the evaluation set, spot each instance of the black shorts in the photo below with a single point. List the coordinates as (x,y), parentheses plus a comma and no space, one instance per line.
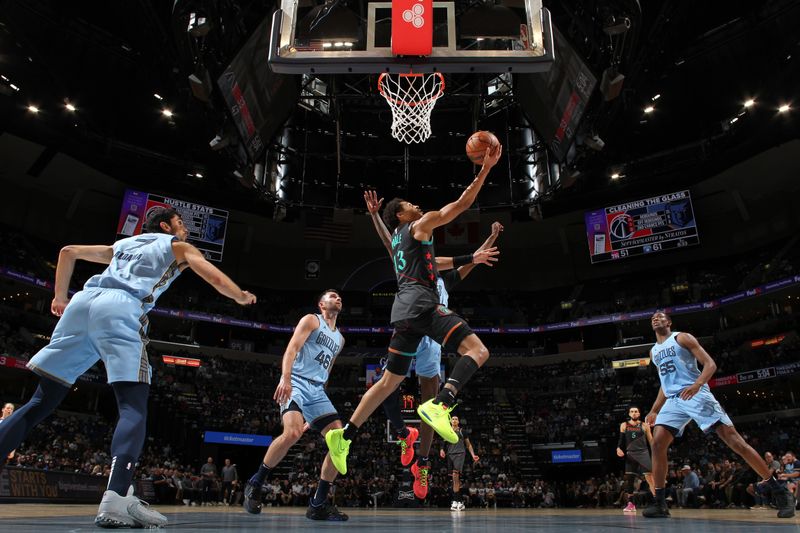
(455,462)
(638,462)
(440,324)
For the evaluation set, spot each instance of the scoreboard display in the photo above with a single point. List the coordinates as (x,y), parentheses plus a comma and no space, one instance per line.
(206,225)
(641,227)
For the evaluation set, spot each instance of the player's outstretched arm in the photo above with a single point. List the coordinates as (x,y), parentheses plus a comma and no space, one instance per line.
(66,265)
(433,219)
(185,252)
(480,257)
(488,244)
(303,329)
(373,207)
(688,341)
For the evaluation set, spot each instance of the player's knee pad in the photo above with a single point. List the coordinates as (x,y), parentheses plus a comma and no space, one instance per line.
(398,364)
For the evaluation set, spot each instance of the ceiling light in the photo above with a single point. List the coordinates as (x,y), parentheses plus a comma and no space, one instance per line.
(749,103)
(198,174)
(166,112)
(656,97)
(13,86)
(784,108)
(158,96)
(4,78)
(614,176)
(33,109)
(734,119)
(327,45)
(69,107)
(649,109)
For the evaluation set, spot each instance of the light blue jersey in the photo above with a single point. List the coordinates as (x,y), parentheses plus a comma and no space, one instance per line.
(677,368)
(676,365)
(314,359)
(144,266)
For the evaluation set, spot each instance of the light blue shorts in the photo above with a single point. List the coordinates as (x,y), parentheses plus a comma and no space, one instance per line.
(97,324)
(429,358)
(703,408)
(310,397)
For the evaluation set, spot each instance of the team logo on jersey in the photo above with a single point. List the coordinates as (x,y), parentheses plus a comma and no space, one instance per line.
(442,310)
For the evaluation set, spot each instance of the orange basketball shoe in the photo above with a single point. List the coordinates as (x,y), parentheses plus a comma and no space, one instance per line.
(420,480)
(407,446)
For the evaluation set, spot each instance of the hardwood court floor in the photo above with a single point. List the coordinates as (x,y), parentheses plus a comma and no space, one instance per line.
(25,518)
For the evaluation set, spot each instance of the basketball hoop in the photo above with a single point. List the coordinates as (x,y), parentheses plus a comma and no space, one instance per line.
(412,98)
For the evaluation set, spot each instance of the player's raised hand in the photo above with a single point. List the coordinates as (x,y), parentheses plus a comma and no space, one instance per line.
(487,256)
(247,298)
(497,228)
(492,157)
(58,305)
(371,199)
(283,391)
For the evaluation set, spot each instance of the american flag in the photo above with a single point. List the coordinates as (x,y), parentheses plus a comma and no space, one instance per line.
(329,226)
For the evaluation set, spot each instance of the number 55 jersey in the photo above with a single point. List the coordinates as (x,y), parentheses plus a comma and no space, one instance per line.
(677,369)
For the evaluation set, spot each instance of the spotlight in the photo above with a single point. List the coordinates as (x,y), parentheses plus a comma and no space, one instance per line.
(649,109)
(33,109)
(167,112)
(158,96)
(13,87)
(655,97)
(69,107)
(784,108)
(615,175)
(750,103)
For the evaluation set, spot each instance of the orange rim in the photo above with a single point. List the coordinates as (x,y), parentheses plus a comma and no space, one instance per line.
(414,103)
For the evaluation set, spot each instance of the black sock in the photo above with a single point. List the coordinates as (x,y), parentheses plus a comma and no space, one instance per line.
(322,493)
(446,396)
(350,430)
(121,474)
(463,371)
(403,433)
(422,461)
(261,476)
(660,497)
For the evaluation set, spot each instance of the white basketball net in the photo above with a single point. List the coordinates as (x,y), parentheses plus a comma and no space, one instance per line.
(412,98)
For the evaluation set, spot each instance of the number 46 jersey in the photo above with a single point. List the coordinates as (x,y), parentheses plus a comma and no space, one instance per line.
(676,365)
(314,359)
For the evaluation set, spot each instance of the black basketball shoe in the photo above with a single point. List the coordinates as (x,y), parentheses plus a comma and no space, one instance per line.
(252,498)
(326,512)
(785,501)
(656,510)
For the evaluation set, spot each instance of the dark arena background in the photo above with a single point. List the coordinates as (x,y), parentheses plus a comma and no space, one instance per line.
(651,162)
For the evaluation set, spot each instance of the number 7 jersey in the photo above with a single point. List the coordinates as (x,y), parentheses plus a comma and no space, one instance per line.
(677,367)
(314,359)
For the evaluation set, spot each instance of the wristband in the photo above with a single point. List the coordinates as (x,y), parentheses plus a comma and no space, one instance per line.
(461,260)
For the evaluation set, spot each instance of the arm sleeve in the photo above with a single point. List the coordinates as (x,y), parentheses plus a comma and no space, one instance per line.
(621,441)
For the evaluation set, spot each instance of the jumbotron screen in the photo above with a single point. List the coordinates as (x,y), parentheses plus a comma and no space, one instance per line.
(641,227)
(206,225)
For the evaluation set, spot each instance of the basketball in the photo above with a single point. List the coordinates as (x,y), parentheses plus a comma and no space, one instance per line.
(477,144)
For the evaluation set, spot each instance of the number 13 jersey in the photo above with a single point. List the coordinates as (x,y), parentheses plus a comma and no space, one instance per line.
(676,365)
(415,267)
(314,359)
